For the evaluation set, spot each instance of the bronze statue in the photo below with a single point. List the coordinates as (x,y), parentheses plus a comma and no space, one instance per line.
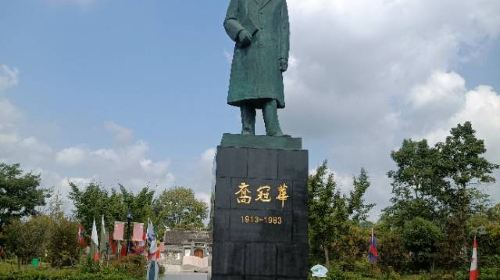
(261,31)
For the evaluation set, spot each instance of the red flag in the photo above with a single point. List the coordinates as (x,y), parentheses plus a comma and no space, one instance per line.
(96,256)
(80,237)
(118,231)
(113,245)
(138,232)
(124,249)
(474,273)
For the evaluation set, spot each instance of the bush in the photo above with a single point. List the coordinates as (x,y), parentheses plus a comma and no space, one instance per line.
(393,255)
(490,273)
(422,238)
(90,266)
(364,268)
(134,265)
(63,246)
(63,274)
(27,239)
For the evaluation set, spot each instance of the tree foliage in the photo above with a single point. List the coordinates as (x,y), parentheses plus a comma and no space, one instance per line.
(322,226)
(62,244)
(357,208)
(20,193)
(333,216)
(421,239)
(177,208)
(28,239)
(439,185)
(94,201)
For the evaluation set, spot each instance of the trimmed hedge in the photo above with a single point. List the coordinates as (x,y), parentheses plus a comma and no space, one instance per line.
(62,275)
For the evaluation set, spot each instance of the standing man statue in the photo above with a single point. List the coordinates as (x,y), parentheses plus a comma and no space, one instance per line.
(261,31)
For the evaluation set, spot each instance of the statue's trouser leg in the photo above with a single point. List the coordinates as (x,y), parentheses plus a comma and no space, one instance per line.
(247,119)
(270,112)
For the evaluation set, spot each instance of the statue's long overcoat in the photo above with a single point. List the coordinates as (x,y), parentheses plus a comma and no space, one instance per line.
(255,71)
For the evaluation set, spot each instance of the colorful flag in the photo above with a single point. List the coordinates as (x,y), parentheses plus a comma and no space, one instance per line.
(151,239)
(474,273)
(94,248)
(80,237)
(118,231)
(113,245)
(104,246)
(372,252)
(123,250)
(153,271)
(138,232)
(153,267)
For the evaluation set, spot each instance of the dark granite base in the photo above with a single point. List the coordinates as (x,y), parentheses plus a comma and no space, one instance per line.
(261,142)
(258,249)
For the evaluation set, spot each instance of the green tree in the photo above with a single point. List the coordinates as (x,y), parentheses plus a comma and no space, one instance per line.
(439,184)
(486,226)
(94,201)
(177,208)
(391,247)
(416,184)
(90,204)
(20,193)
(357,208)
(28,239)
(140,204)
(62,247)
(334,218)
(465,167)
(322,188)
(422,238)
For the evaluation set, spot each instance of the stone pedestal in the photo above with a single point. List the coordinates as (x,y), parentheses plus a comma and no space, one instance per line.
(260,213)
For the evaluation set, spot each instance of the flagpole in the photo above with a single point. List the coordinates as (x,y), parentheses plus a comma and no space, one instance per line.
(129,219)
(473,272)
(372,264)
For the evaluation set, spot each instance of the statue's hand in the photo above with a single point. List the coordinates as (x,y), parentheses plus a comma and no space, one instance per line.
(283,64)
(244,39)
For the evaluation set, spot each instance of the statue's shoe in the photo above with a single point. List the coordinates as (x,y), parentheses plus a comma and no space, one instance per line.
(247,132)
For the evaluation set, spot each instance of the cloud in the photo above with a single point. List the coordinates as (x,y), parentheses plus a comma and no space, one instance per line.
(366,74)
(480,106)
(9,114)
(9,77)
(447,92)
(358,60)
(127,162)
(201,176)
(71,156)
(441,88)
(363,76)
(121,134)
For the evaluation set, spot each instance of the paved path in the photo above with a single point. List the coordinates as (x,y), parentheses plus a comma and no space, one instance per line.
(185,276)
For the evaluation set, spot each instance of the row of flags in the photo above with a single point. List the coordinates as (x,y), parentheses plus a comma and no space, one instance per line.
(103,244)
(152,252)
(147,239)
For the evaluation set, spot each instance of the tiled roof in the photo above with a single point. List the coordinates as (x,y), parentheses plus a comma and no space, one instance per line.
(178,237)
